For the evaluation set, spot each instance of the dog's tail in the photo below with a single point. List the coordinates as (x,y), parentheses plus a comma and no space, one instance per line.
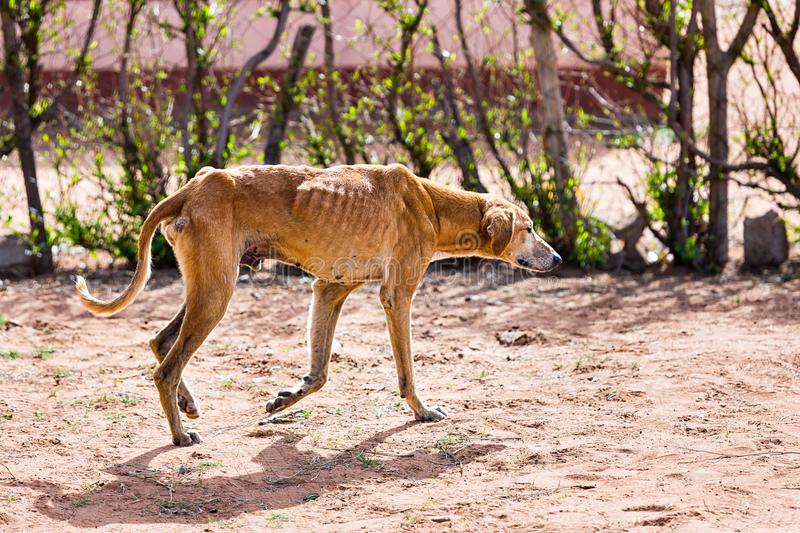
(166,208)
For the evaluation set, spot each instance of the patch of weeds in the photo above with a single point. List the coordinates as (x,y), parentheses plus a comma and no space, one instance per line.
(483,374)
(9,354)
(43,352)
(8,415)
(4,321)
(61,372)
(229,383)
(635,366)
(367,461)
(291,437)
(311,496)
(127,399)
(117,415)
(109,399)
(206,464)
(306,412)
(82,502)
(103,399)
(557,367)
(410,518)
(39,416)
(590,363)
(444,444)
(276,520)
(176,507)
(10,498)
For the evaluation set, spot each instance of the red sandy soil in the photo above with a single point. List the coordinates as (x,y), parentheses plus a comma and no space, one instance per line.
(659,402)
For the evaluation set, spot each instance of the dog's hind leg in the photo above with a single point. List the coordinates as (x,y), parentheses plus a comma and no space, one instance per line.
(160,345)
(326,305)
(208,292)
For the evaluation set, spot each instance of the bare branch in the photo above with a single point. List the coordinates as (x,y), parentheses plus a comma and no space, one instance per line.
(786,39)
(286,102)
(605,63)
(80,67)
(238,83)
(641,208)
(745,30)
(332,91)
(456,137)
(477,94)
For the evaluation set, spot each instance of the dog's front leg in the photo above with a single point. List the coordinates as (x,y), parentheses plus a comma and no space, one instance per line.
(396,303)
(326,304)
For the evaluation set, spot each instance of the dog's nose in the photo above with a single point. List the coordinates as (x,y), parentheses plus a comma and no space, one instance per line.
(556,259)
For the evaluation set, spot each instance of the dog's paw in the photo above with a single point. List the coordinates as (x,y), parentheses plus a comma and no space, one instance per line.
(188,438)
(431,414)
(189,407)
(279,402)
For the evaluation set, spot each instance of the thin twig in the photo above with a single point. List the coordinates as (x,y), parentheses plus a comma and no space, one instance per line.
(385,454)
(145,477)
(281,418)
(721,455)
(10,472)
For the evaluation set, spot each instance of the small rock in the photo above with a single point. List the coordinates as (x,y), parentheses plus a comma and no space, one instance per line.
(519,338)
(765,241)
(440,519)
(15,258)
(182,470)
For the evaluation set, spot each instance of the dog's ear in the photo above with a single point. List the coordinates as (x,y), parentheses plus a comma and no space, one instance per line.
(499,224)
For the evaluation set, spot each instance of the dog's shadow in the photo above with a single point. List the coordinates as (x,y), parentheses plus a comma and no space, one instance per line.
(288,477)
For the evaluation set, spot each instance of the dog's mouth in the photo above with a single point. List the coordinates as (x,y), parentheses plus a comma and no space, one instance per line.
(536,266)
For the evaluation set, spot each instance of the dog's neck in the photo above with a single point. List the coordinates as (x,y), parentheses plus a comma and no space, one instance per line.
(458,220)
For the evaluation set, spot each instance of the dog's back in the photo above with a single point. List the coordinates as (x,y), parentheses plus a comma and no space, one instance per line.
(341,223)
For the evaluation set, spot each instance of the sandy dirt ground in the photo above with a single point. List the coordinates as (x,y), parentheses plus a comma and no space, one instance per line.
(657,402)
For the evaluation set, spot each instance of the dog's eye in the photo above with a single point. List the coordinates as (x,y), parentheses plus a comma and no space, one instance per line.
(530,229)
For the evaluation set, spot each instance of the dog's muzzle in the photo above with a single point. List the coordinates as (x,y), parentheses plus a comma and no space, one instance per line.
(534,264)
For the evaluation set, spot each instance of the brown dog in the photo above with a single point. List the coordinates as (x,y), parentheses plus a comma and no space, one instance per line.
(346,225)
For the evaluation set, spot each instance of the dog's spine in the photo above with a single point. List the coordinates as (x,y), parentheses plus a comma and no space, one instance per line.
(166,208)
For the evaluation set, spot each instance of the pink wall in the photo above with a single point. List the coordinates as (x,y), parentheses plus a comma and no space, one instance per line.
(248,32)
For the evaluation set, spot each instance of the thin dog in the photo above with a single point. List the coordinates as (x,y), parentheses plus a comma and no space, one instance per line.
(346,225)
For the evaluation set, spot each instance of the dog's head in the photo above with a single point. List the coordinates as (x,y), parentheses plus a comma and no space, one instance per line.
(511,237)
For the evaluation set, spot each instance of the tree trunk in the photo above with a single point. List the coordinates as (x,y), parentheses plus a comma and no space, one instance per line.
(285,104)
(717,245)
(686,169)
(43,256)
(477,95)
(23,141)
(718,66)
(552,115)
(237,84)
(331,86)
(456,134)
(191,44)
